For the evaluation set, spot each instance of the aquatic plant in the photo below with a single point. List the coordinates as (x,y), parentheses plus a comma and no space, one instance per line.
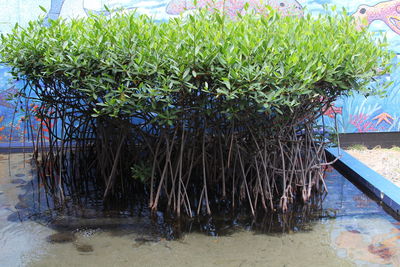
(213,111)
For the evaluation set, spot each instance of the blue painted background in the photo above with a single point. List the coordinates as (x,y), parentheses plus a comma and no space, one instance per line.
(354,114)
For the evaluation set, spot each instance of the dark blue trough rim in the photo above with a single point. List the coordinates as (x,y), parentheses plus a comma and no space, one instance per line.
(357,172)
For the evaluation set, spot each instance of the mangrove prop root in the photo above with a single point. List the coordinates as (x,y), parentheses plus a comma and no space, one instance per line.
(188,166)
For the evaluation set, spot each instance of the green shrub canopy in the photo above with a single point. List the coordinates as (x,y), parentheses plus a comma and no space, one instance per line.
(129,64)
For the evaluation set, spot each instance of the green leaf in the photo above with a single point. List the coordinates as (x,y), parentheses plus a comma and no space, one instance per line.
(43,9)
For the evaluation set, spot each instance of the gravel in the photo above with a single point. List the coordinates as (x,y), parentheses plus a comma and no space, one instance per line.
(386,162)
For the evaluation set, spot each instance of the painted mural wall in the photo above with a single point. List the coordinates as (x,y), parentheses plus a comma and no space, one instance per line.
(353,114)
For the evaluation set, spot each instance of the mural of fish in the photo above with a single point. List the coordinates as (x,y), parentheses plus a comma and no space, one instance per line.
(387,11)
(233,7)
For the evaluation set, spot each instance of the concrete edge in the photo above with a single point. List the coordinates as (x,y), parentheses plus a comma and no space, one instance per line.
(359,173)
(370,139)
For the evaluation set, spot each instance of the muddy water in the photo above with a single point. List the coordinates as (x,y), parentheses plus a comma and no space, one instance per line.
(353,231)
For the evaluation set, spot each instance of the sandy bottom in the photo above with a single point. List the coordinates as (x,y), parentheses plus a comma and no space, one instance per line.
(240,249)
(386,162)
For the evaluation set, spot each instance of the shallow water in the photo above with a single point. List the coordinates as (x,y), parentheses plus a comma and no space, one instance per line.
(354,230)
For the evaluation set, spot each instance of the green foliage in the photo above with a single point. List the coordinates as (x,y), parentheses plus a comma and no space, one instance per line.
(141,172)
(130,66)
(395,148)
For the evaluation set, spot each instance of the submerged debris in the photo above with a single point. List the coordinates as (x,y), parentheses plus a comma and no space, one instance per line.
(21,205)
(145,240)
(18,181)
(64,237)
(84,248)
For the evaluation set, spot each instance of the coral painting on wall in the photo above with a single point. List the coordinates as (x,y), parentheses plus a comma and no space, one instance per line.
(357,113)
